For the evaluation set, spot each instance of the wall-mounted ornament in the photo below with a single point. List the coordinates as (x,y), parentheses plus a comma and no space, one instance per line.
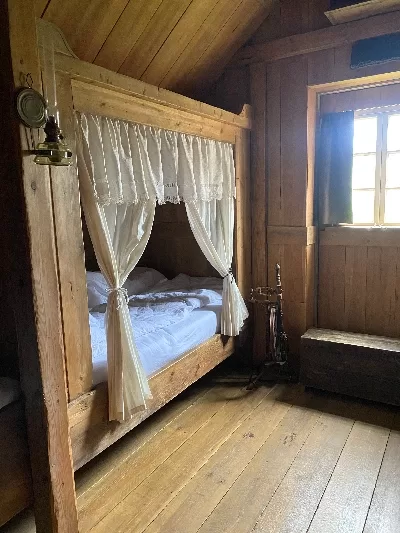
(37,111)
(31,107)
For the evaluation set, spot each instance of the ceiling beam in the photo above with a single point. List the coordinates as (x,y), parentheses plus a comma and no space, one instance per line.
(323,39)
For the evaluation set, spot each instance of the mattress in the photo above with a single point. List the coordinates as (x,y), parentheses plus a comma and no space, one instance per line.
(165,345)
(9,391)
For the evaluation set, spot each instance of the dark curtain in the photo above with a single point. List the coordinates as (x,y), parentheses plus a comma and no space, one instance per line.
(375,50)
(334,169)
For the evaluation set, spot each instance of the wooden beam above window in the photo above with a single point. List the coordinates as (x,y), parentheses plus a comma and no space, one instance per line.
(323,39)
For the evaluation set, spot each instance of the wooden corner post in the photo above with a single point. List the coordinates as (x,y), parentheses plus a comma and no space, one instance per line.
(258,85)
(31,273)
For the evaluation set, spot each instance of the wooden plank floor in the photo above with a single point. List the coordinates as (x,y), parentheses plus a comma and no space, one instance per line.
(221,459)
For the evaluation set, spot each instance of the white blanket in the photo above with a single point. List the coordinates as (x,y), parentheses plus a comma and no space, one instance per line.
(167,303)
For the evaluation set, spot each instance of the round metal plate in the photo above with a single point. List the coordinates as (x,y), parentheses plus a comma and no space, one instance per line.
(31,108)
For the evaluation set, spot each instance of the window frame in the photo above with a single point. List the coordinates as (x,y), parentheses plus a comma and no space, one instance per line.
(382,114)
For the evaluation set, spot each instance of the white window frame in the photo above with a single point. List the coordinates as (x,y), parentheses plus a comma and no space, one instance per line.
(382,114)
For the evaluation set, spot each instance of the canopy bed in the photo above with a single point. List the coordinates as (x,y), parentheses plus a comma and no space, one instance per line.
(139,147)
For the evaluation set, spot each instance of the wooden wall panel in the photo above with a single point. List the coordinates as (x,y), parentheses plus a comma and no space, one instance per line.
(259,201)
(331,287)
(294,77)
(291,17)
(355,282)
(181,253)
(275,204)
(359,288)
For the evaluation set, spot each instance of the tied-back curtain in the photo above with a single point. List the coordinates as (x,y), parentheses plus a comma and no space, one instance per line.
(334,168)
(119,233)
(124,170)
(212,224)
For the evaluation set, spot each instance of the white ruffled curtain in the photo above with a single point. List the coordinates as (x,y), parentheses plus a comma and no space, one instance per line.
(124,170)
(212,224)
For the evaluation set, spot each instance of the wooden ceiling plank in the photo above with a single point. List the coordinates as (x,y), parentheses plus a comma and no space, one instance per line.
(237,30)
(205,34)
(178,39)
(85,25)
(333,37)
(126,32)
(157,31)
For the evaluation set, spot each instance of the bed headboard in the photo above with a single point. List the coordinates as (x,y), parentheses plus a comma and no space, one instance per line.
(172,248)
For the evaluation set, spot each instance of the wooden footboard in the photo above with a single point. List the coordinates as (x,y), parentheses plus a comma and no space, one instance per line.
(91,432)
(15,473)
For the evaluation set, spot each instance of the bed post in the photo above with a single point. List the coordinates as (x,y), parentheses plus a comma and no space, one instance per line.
(243,210)
(32,277)
(70,254)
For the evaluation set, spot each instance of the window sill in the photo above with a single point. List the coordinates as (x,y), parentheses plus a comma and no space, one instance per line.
(349,235)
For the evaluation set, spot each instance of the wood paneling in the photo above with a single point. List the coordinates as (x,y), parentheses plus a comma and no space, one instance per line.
(15,482)
(177,44)
(183,254)
(359,288)
(258,86)
(26,188)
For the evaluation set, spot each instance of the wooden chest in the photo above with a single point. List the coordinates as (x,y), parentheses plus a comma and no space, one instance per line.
(359,365)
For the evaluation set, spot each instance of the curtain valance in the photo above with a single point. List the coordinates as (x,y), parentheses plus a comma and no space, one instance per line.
(129,163)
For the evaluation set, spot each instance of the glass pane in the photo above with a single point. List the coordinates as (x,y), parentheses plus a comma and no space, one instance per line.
(364,171)
(392,207)
(393,138)
(393,170)
(363,207)
(365,134)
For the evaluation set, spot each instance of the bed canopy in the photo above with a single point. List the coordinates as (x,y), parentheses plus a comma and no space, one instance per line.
(125,169)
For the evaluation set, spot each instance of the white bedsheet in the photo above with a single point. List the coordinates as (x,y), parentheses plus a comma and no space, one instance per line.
(174,317)
(9,391)
(166,344)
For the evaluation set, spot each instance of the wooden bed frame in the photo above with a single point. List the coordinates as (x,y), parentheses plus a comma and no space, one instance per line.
(73,417)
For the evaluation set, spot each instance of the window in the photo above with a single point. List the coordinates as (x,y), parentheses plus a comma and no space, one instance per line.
(376,168)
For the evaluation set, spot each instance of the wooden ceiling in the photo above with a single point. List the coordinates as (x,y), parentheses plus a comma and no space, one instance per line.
(181,45)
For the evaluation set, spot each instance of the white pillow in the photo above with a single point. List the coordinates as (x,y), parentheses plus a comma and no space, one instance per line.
(140,280)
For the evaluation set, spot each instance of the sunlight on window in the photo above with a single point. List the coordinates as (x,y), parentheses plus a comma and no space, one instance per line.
(363,207)
(392,206)
(364,170)
(393,170)
(393,134)
(365,134)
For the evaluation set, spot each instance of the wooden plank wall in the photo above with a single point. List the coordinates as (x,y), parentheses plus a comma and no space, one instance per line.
(359,279)
(291,235)
(171,233)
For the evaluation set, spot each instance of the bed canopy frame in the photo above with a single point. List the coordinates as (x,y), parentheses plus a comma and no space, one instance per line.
(67,419)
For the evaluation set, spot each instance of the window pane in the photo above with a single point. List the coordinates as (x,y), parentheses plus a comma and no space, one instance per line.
(392,207)
(364,171)
(363,207)
(365,134)
(393,170)
(393,139)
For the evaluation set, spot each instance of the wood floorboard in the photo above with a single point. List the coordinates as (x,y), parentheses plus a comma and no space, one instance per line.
(142,505)
(345,503)
(384,511)
(220,459)
(209,485)
(239,509)
(99,502)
